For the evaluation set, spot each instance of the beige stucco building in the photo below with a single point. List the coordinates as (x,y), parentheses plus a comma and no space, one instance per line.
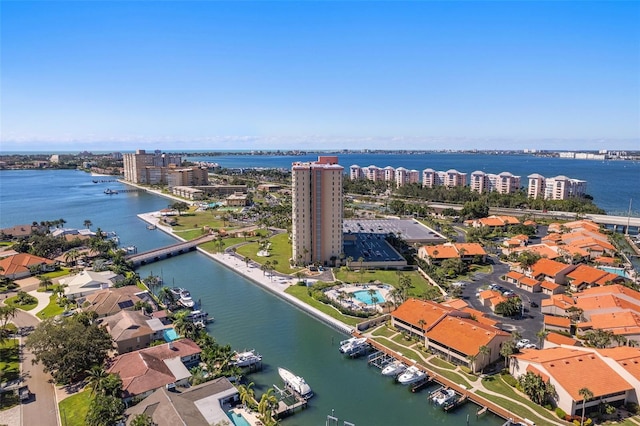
(317,211)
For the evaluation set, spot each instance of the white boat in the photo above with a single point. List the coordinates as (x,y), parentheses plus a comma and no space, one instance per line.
(394,368)
(443,397)
(411,375)
(246,358)
(183,297)
(353,345)
(196,316)
(295,383)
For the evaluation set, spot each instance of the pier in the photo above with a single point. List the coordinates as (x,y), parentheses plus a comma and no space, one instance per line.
(464,393)
(289,402)
(168,251)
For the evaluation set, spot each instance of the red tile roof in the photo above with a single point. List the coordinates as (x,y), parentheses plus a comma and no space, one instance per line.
(19,263)
(548,267)
(464,335)
(560,339)
(414,310)
(557,321)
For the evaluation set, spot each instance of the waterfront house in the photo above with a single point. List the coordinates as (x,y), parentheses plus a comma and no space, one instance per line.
(146,370)
(21,265)
(132,330)
(203,405)
(613,378)
(415,316)
(112,300)
(456,339)
(88,282)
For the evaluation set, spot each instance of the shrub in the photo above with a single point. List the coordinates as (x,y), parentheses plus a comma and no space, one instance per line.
(632,407)
(560,413)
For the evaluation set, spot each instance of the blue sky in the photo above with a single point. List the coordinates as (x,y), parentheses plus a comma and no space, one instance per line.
(255,75)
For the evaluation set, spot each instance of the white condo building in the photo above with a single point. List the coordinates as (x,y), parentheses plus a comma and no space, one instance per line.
(148,168)
(555,188)
(317,211)
(503,183)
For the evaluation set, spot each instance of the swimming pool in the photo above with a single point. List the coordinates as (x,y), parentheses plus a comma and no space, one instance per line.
(170,335)
(617,271)
(237,419)
(366,298)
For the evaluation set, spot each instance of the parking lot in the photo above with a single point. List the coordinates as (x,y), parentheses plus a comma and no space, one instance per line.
(527,325)
(370,247)
(410,230)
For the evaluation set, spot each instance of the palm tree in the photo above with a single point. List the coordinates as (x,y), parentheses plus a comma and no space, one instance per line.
(586,394)
(422,323)
(472,362)
(484,351)
(95,379)
(541,335)
(72,256)
(268,402)
(166,296)
(87,223)
(247,394)
(44,282)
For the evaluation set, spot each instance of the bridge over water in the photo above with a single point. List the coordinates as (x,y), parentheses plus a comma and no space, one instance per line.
(167,251)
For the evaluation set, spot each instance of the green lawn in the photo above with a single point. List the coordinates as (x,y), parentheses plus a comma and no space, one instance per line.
(300,292)
(496,384)
(419,286)
(190,234)
(10,359)
(280,251)
(213,220)
(51,310)
(383,330)
(56,274)
(409,353)
(439,362)
(12,302)
(74,409)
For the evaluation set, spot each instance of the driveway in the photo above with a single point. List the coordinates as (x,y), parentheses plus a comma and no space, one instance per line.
(41,409)
(527,325)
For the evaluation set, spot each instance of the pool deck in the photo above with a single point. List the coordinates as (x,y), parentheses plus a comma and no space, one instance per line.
(355,303)
(249,415)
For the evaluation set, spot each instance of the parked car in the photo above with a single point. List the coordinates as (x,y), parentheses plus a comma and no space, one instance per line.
(530,346)
(533,304)
(24,393)
(522,343)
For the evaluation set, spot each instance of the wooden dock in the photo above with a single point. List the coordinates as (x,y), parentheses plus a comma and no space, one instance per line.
(284,409)
(479,400)
(458,402)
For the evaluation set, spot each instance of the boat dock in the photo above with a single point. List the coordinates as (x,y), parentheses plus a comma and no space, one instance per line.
(289,402)
(420,384)
(378,358)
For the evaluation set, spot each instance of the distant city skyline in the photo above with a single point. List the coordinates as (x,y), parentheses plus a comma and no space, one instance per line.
(218,75)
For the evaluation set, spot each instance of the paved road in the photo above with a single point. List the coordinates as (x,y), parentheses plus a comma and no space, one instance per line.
(529,324)
(41,409)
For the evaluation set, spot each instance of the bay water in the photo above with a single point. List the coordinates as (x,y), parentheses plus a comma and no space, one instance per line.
(246,316)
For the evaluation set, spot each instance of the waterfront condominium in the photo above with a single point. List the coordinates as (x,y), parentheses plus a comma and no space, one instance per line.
(503,183)
(148,168)
(317,211)
(555,188)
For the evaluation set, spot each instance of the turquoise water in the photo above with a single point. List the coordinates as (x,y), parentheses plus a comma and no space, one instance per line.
(237,419)
(170,335)
(616,271)
(365,297)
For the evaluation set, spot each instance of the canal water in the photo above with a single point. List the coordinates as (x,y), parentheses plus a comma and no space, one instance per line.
(246,316)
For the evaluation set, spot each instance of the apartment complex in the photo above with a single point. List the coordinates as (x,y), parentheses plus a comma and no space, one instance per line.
(317,211)
(555,188)
(450,178)
(502,183)
(148,168)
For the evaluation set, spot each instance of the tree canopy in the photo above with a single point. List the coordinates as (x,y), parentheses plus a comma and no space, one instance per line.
(68,347)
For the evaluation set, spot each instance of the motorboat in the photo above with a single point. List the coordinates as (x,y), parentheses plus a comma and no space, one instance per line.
(295,383)
(197,316)
(246,358)
(394,368)
(353,345)
(443,397)
(186,300)
(411,375)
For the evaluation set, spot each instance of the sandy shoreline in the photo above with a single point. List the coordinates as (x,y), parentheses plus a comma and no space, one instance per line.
(274,284)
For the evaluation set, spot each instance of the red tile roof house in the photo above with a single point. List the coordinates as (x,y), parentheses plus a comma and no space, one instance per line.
(557,324)
(464,251)
(20,265)
(613,374)
(148,369)
(550,270)
(523,282)
(491,299)
(449,332)
(585,276)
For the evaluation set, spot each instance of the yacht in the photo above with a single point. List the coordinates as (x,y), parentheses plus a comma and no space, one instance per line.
(246,358)
(394,368)
(183,297)
(411,375)
(443,397)
(295,383)
(353,345)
